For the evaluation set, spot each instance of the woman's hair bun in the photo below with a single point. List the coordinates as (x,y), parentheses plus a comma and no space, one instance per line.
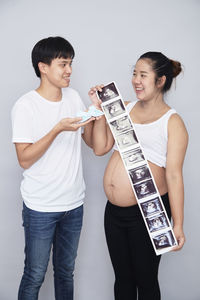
(163,66)
(176,67)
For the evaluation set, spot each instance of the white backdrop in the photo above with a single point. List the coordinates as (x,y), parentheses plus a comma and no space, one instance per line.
(108,37)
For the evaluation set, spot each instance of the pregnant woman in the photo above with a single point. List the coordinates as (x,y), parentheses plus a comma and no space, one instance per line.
(164,139)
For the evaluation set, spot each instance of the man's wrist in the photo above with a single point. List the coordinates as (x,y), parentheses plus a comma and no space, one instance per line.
(57,129)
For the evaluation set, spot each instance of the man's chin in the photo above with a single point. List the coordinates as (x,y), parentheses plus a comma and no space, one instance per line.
(65,85)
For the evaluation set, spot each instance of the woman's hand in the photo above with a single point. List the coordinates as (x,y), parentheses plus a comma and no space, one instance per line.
(179,234)
(93,96)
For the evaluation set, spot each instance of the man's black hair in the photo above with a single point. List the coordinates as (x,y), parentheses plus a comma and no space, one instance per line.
(48,49)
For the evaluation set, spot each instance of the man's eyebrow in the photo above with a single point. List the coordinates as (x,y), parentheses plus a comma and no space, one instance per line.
(66,60)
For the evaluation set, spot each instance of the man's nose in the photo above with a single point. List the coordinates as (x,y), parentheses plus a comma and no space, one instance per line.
(68,69)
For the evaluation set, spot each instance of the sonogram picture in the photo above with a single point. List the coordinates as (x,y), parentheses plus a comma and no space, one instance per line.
(138,170)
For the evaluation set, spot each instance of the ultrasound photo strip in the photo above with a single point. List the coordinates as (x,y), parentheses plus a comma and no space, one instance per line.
(137,167)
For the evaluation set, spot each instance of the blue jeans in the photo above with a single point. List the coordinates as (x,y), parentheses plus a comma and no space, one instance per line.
(42,230)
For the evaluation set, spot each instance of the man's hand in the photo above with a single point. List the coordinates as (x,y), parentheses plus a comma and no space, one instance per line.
(71,124)
(92,94)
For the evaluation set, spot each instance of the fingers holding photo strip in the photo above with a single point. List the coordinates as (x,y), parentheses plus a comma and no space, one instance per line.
(138,170)
(93,95)
(108,92)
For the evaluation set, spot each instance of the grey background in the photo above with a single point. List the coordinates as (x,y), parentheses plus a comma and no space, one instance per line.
(108,37)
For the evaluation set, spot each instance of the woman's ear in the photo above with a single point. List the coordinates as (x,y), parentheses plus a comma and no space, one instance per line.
(161,81)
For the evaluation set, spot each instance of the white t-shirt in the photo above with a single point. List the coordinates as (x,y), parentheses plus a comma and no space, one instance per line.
(153,137)
(55,182)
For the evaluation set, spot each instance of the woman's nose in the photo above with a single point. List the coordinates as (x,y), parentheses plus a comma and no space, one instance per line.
(136,79)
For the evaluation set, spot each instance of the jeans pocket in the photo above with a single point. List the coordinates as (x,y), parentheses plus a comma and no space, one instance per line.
(24,217)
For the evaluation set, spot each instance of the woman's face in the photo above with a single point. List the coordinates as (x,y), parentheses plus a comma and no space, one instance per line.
(144,81)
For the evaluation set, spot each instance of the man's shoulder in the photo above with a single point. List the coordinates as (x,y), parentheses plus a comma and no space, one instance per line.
(24,100)
(23,105)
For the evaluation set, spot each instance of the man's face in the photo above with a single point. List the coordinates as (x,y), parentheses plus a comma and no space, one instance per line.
(58,72)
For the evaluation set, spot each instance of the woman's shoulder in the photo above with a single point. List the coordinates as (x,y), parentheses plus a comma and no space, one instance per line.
(175,118)
(176,125)
(129,104)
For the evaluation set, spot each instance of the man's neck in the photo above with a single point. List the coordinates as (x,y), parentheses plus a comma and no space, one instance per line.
(50,93)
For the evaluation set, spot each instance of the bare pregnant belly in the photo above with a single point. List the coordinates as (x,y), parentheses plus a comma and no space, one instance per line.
(117,185)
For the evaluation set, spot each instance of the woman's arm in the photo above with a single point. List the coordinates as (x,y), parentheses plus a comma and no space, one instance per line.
(102,138)
(177,145)
(87,134)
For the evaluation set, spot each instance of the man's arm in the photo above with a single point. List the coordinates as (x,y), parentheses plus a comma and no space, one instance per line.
(28,153)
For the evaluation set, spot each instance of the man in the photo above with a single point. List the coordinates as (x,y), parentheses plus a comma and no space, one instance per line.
(47,138)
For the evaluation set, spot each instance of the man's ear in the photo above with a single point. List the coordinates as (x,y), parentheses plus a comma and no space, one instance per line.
(161,81)
(42,67)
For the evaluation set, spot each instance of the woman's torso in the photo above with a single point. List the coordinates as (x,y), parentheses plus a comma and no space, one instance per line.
(116,182)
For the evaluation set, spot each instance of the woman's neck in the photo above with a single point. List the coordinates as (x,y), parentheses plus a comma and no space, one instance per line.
(149,111)
(155,104)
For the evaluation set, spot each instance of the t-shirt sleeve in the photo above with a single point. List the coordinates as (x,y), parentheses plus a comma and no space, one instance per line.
(22,124)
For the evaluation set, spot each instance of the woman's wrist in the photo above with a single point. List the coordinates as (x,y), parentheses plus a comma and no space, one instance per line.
(178,224)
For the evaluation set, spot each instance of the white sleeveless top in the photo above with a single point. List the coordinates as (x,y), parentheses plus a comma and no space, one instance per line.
(153,137)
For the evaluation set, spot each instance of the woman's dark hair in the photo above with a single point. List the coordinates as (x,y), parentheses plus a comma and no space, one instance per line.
(162,65)
(48,49)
